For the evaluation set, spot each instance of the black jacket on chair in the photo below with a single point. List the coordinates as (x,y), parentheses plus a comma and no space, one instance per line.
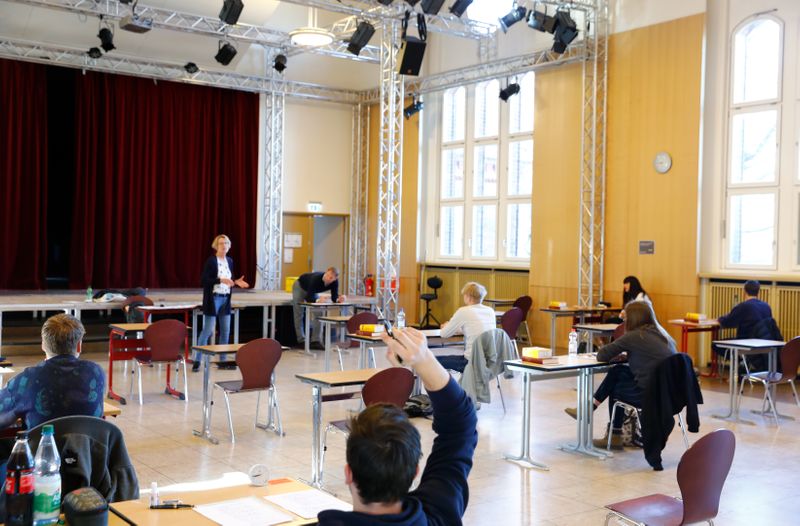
(673,387)
(93,453)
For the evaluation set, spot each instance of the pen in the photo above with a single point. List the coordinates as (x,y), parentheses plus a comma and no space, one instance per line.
(121,516)
(171,506)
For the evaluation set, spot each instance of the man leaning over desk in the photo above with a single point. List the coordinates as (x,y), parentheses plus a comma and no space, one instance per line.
(307,289)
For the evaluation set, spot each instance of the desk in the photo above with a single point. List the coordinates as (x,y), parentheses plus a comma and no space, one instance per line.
(327,323)
(139,510)
(174,308)
(206,352)
(325,306)
(318,382)
(592,329)
(121,349)
(584,367)
(580,312)
(111,410)
(744,347)
(687,327)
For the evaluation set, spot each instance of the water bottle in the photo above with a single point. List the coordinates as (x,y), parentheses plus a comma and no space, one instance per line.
(573,342)
(46,481)
(89,294)
(19,483)
(401,320)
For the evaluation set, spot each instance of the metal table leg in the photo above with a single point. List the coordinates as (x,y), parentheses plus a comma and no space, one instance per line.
(772,367)
(327,328)
(236,325)
(553,318)
(733,391)
(316,446)
(525,452)
(585,413)
(205,431)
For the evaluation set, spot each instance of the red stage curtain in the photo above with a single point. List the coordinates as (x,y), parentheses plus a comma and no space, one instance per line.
(23,175)
(161,168)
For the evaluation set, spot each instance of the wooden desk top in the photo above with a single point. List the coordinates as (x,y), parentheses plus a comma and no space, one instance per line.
(334,319)
(596,327)
(565,363)
(139,510)
(710,324)
(217,349)
(338,378)
(575,309)
(363,337)
(167,307)
(111,410)
(129,327)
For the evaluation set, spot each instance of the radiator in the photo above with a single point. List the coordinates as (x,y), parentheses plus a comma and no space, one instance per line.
(784,300)
(787,311)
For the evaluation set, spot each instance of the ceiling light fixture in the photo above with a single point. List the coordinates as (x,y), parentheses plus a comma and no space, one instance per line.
(279,64)
(106,39)
(565,32)
(312,35)
(508,91)
(225,53)
(412,109)
(360,38)
(231,10)
(516,14)
(459,7)
(432,7)
(191,68)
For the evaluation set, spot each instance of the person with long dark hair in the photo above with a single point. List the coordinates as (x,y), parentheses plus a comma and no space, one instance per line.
(632,290)
(646,343)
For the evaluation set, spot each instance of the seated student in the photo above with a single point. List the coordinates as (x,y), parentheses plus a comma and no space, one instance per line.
(62,385)
(646,343)
(470,320)
(383,451)
(632,290)
(752,318)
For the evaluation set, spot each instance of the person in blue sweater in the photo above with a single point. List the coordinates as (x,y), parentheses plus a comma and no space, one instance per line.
(383,451)
(752,318)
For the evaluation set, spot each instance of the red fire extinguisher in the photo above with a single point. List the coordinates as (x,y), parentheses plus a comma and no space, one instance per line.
(369,285)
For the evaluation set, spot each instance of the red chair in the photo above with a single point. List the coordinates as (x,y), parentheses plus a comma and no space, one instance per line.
(132,314)
(618,332)
(524,303)
(390,386)
(790,360)
(510,322)
(256,360)
(164,339)
(352,327)
(701,474)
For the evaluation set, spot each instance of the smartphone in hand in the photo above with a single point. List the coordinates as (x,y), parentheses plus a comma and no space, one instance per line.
(388,326)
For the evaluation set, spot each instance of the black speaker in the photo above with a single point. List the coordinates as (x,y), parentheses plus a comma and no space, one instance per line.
(231,9)
(412,51)
(225,54)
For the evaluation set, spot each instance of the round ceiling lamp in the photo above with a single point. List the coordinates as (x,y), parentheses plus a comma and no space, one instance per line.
(312,35)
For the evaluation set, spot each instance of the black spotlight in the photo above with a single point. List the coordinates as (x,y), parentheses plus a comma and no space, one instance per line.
(413,108)
(94,52)
(191,68)
(412,3)
(459,7)
(508,91)
(432,7)
(384,2)
(360,38)
(515,15)
(231,10)
(106,39)
(541,21)
(279,63)
(566,32)
(226,53)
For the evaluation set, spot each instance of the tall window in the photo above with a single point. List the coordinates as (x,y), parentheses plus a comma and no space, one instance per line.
(486,174)
(754,145)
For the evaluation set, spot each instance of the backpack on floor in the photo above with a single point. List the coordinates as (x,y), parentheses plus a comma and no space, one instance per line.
(419,406)
(631,429)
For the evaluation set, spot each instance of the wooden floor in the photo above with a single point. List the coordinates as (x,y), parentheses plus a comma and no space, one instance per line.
(761,489)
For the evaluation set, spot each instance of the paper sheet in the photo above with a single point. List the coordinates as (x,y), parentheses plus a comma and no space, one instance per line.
(308,503)
(241,512)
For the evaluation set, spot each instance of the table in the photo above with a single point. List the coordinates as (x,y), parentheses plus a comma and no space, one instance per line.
(139,512)
(318,382)
(206,352)
(111,410)
(573,311)
(687,327)
(600,329)
(327,323)
(326,306)
(584,367)
(744,347)
(121,349)
(174,308)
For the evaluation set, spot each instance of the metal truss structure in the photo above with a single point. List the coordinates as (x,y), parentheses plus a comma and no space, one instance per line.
(390,179)
(593,149)
(272,229)
(204,25)
(359,188)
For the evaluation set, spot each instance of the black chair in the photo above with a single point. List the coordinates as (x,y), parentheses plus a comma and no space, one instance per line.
(435,283)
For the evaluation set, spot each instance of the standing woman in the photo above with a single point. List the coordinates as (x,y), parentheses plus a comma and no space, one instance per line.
(217,287)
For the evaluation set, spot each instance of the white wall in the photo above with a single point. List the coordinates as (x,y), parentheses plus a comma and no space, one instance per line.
(317,156)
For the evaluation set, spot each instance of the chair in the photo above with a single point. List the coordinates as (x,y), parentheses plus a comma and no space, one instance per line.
(625,406)
(93,453)
(702,471)
(491,349)
(524,303)
(352,327)
(511,320)
(390,386)
(164,338)
(618,332)
(256,360)
(789,360)
(132,314)
(434,282)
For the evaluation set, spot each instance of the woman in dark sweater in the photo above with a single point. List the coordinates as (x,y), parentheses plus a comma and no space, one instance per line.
(646,344)
(217,286)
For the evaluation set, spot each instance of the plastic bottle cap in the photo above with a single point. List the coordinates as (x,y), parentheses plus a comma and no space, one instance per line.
(47,430)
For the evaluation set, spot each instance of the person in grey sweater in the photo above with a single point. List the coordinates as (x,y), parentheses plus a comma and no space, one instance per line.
(645,344)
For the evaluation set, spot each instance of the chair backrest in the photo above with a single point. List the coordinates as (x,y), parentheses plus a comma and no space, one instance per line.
(489,342)
(511,320)
(618,332)
(165,338)
(132,315)
(524,303)
(702,472)
(109,470)
(390,386)
(790,358)
(360,318)
(435,282)
(256,360)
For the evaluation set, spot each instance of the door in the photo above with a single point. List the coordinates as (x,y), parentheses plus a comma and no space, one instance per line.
(329,244)
(298,229)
